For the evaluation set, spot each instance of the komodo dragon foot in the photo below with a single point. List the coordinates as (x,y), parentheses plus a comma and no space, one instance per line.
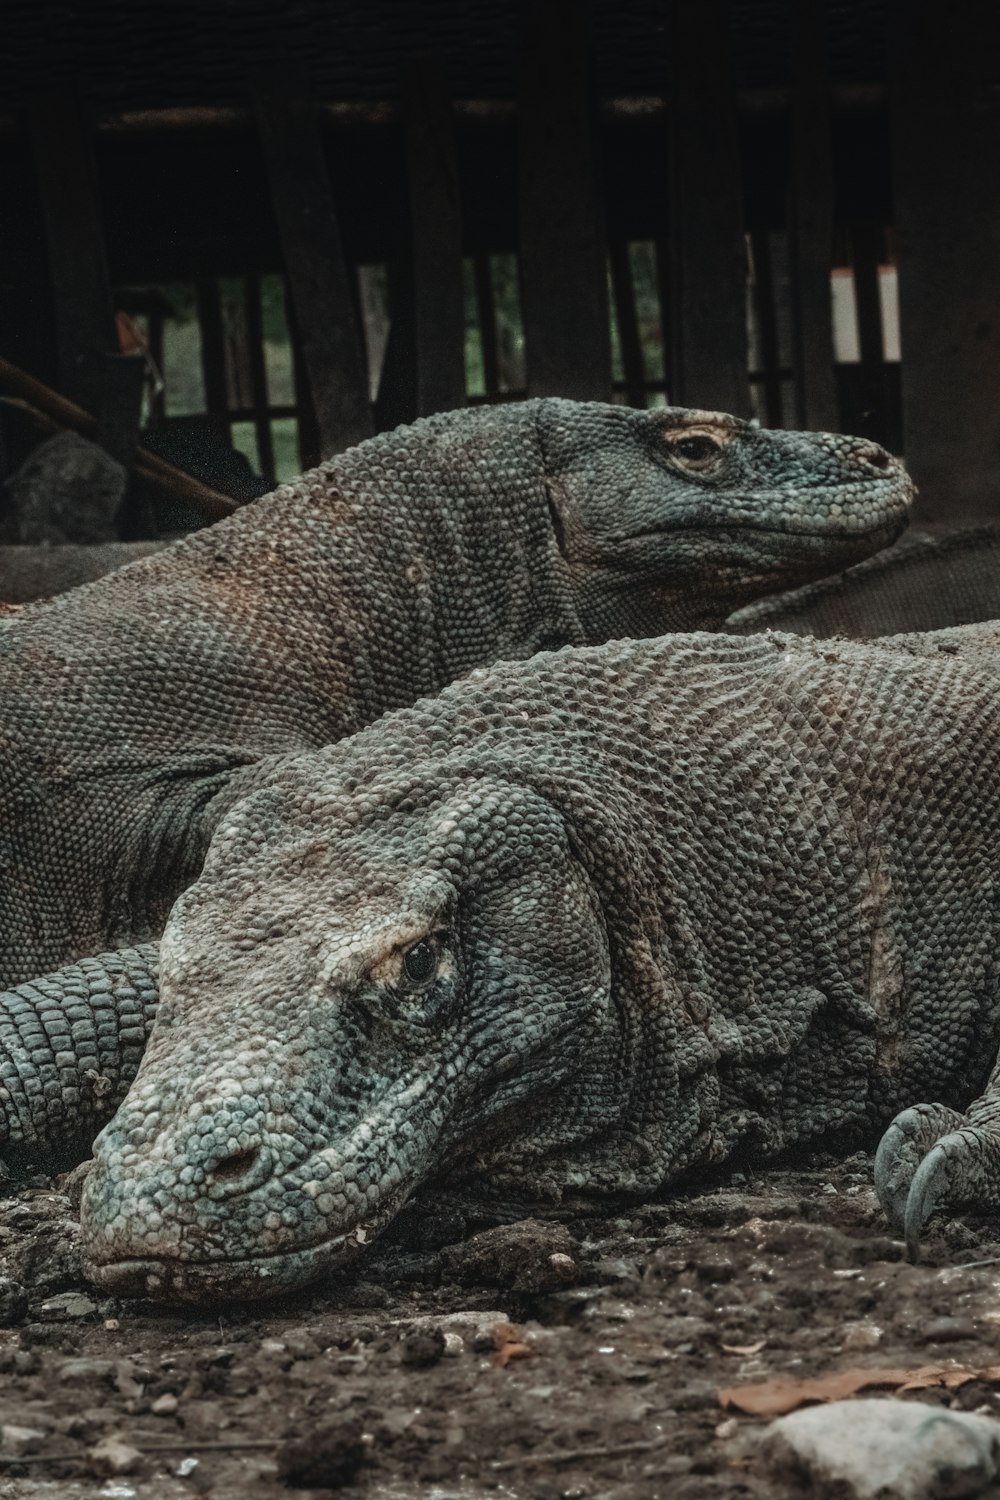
(932,1157)
(70,1046)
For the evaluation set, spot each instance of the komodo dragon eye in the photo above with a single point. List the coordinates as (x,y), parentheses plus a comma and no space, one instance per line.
(420,963)
(695,451)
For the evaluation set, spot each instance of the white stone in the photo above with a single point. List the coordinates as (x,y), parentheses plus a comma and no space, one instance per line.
(890,1448)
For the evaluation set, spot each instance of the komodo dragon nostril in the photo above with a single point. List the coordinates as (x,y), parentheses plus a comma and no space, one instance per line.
(233,1168)
(877,457)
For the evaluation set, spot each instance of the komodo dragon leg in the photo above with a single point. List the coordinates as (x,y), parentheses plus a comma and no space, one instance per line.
(933,1157)
(70,1045)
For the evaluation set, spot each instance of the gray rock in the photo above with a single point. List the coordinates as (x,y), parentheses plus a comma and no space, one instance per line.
(892,1449)
(67,490)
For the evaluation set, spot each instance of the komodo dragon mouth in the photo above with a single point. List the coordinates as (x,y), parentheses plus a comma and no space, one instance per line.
(178,1278)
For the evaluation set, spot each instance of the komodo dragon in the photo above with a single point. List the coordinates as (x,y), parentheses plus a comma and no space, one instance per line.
(131,709)
(928,581)
(575,926)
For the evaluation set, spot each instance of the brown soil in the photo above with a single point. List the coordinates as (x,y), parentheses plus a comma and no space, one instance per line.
(579,1360)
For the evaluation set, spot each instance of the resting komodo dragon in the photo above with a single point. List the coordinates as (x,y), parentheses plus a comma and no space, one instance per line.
(576,926)
(130,709)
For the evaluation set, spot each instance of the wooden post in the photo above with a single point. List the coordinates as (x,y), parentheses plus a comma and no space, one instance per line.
(92,371)
(946,161)
(810,223)
(708,251)
(563,267)
(329,333)
(436,229)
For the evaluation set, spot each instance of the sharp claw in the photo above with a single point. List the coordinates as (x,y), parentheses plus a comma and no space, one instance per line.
(923,1198)
(892,1180)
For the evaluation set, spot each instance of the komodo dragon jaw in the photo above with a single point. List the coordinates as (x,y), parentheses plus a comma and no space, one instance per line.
(374,1049)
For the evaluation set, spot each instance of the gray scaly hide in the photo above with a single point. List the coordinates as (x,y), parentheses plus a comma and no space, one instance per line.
(575,926)
(132,709)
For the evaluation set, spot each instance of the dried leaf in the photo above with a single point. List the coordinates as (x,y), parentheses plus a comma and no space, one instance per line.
(508,1352)
(772,1398)
(744,1348)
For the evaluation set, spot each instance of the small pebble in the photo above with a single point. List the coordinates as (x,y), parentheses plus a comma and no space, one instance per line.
(113,1456)
(16,1441)
(862,1336)
(947,1330)
(82,1370)
(69,1305)
(327,1457)
(165,1405)
(13,1302)
(454,1344)
(423,1348)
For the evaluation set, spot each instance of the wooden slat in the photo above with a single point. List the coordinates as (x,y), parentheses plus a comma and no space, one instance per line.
(708,253)
(397,391)
(487,308)
(563,270)
(436,237)
(810,222)
(946,172)
(767,326)
(213,350)
(664,294)
(258,374)
(866,252)
(308,429)
(330,339)
(628,323)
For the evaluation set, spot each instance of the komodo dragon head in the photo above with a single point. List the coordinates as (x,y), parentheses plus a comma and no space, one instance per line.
(362,992)
(663,516)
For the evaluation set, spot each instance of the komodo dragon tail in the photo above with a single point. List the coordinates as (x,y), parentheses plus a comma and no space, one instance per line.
(70,1046)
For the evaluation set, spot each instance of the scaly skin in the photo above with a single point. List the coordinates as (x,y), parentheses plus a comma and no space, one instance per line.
(576,925)
(133,710)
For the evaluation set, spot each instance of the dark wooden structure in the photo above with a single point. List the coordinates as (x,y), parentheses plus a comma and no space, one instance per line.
(626,199)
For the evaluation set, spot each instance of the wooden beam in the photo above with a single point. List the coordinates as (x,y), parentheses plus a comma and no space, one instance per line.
(563,265)
(329,332)
(436,237)
(810,222)
(56,412)
(946,171)
(708,251)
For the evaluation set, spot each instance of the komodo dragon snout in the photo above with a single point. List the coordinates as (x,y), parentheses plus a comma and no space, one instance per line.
(388,1008)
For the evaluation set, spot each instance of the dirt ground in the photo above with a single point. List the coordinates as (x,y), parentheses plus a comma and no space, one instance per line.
(581,1360)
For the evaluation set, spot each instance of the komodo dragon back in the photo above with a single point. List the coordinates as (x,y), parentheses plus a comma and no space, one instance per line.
(133,708)
(575,926)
